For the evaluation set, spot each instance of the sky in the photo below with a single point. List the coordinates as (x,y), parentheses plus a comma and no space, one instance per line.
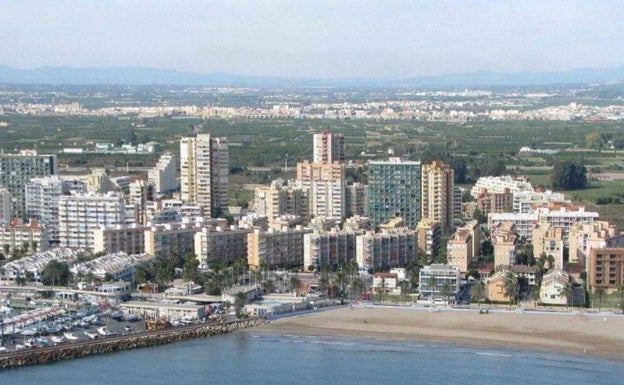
(317,38)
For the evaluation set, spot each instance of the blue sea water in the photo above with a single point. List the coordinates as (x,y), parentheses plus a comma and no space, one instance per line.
(253,358)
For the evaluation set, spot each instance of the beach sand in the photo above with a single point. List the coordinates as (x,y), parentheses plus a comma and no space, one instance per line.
(571,333)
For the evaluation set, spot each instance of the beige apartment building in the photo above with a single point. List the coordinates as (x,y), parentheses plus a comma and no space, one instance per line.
(438,194)
(274,248)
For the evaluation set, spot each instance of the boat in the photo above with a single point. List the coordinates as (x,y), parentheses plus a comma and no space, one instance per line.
(70,336)
(132,318)
(57,340)
(117,315)
(91,336)
(104,331)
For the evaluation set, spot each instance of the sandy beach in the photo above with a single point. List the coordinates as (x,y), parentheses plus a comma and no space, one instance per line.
(571,333)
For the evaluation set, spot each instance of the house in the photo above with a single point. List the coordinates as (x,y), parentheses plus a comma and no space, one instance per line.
(496,287)
(388,281)
(552,287)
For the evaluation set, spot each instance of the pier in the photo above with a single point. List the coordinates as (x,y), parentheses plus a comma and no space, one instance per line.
(66,351)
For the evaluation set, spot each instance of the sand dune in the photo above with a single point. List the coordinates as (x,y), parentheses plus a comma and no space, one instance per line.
(572,333)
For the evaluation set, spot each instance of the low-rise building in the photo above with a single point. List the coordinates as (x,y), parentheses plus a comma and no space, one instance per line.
(386,282)
(434,277)
(17,235)
(119,238)
(163,311)
(552,288)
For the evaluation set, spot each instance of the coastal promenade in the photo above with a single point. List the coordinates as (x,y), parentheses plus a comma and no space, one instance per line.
(111,344)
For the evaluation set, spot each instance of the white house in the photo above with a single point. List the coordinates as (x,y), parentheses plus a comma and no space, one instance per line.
(552,286)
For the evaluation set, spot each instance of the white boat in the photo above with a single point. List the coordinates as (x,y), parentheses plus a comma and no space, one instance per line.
(104,331)
(70,336)
(91,336)
(57,340)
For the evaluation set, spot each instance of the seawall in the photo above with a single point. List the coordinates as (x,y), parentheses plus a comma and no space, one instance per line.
(46,355)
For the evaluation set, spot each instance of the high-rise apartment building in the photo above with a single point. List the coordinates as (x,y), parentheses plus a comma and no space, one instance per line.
(280,199)
(16,170)
(325,183)
(6,207)
(79,215)
(163,175)
(394,190)
(204,169)
(355,200)
(329,147)
(42,198)
(437,194)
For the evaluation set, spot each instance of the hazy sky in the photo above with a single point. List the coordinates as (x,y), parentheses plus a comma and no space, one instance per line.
(392,39)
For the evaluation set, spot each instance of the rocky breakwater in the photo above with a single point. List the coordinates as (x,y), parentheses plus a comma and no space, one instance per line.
(112,344)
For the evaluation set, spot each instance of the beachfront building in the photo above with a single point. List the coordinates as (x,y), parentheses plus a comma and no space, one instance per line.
(437,192)
(274,248)
(119,238)
(565,217)
(387,283)
(605,269)
(394,190)
(31,236)
(434,277)
(221,244)
(163,175)
(552,287)
(386,249)
(16,170)
(204,170)
(428,236)
(548,240)
(498,185)
(80,215)
(332,248)
(496,286)
(157,311)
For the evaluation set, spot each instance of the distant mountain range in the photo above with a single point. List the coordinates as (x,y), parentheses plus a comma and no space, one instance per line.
(153,76)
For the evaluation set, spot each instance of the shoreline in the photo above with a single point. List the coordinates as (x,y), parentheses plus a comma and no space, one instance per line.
(575,334)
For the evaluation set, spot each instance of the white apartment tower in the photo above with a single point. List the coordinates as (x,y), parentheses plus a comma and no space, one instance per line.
(329,147)
(204,168)
(42,203)
(80,214)
(163,175)
(326,184)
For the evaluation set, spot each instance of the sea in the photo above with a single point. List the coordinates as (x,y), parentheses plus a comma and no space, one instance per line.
(256,358)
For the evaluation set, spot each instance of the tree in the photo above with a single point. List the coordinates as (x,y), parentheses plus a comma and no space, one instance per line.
(621,293)
(239,302)
(55,273)
(404,285)
(446,291)
(569,175)
(33,246)
(535,295)
(510,287)
(268,286)
(294,283)
(478,215)
(568,293)
(600,293)
(478,293)
(190,270)
(381,290)
(432,284)
(7,248)
(357,287)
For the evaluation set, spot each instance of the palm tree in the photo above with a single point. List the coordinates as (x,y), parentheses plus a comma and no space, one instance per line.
(404,285)
(568,292)
(535,296)
(295,283)
(357,287)
(432,283)
(600,292)
(446,291)
(551,261)
(268,286)
(478,293)
(342,281)
(382,289)
(239,302)
(510,287)
(620,289)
